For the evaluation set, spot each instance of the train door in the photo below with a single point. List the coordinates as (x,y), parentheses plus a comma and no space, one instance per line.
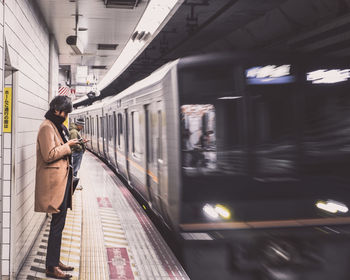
(159,155)
(86,127)
(97,135)
(90,132)
(105,137)
(93,132)
(102,130)
(148,159)
(127,143)
(109,141)
(115,139)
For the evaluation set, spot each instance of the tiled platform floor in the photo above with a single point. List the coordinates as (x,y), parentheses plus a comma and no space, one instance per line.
(107,235)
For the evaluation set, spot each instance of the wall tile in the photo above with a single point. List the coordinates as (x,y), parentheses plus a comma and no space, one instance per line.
(7,156)
(5,251)
(7,188)
(6,235)
(7,140)
(7,172)
(6,206)
(5,267)
(6,220)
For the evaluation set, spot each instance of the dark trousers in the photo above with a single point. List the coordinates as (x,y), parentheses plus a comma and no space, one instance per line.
(76,158)
(57,225)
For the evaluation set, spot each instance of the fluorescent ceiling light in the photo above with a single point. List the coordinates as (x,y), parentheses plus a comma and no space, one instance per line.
(268,71)
(332,206)
(157,13)
(229,97)
(331,76)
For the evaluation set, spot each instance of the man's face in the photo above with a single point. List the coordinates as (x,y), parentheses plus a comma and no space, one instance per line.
(80,127)
(61,114)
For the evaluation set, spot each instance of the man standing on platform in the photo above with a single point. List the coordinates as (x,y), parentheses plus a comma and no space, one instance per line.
(53,183)
(78,149)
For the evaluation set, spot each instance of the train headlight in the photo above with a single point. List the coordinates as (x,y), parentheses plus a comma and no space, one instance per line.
(210,211)
(217,211)
(222,211)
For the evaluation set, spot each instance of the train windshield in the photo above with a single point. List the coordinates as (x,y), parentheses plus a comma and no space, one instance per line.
(270,151)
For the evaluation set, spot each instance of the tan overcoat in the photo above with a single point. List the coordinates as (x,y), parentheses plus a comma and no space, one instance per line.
(52,169)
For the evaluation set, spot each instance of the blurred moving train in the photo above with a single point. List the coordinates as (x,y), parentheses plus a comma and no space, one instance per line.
(247,155)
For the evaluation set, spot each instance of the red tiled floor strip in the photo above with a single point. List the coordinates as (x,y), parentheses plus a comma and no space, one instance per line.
(119,264)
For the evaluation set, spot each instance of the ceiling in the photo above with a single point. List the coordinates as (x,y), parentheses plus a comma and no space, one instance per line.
(201,26)
(104,26)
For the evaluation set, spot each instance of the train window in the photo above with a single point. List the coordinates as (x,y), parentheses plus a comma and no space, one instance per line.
(274,133)
(106,128)
(326,134)
(88,125)
(160,135)
(209,80)
(93,126)
(114,127)
(148,135)
(198,137)
(110,128)
(120,127)
(101,127)
(84,127)
(97,128)
(136,145)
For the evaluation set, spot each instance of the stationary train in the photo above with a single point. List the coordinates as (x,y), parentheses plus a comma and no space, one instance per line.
(250,151)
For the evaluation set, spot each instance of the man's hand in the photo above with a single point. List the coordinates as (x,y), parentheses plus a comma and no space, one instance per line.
(73,142)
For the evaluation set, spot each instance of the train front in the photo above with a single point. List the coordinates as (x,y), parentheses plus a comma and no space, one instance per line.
(265,150)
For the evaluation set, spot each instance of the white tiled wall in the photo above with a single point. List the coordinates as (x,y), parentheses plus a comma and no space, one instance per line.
(28,43)
(5,187)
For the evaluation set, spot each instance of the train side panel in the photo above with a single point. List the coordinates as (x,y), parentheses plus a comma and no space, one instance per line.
(171,172)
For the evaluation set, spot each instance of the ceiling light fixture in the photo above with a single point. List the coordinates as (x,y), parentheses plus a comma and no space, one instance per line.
(156,15)
(121,4)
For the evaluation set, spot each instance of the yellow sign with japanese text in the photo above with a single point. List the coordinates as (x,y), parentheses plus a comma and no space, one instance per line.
(7,110)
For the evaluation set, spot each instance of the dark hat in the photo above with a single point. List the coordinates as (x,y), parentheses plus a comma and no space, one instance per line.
(80,121)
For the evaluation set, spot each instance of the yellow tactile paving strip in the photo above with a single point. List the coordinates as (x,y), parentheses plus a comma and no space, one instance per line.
(34,267)
(94,258)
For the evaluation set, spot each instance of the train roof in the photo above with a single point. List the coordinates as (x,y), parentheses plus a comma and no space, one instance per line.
(91,107)
(152,79)
(216,58)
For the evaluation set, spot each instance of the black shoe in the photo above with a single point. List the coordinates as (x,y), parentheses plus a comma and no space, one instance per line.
(56,272)
(65,267)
